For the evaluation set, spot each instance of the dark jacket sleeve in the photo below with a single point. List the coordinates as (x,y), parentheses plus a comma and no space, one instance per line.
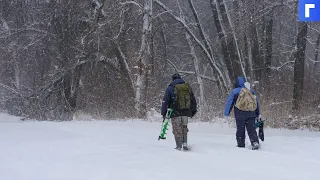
(165,102)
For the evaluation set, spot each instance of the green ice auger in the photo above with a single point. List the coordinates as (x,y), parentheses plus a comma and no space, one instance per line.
(165,124)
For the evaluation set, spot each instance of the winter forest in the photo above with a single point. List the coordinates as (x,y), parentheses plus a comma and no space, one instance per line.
(113,59)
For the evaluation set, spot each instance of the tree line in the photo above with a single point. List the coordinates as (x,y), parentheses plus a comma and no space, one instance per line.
(114,58)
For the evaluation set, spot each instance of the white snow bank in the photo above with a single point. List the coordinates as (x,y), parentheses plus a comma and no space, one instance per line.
(4,118)
(129,150)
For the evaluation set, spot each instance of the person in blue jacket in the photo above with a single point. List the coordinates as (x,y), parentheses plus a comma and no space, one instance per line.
(179,119)
(244,119)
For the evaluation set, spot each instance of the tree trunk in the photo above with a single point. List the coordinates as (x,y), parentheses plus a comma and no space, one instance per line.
(299,67)
(124,66)
(268,55)
(17,54)
(232,42)
(222,37)
(70,91)
(243,27)
(141,84)
(255,53)
(247,57)
(197,72)
(316,51)
(165,55)
(200,28)
(203,36)
(212,61)
(236,7)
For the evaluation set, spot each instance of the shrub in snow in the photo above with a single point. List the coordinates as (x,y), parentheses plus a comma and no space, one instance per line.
(78,116)
(153,115)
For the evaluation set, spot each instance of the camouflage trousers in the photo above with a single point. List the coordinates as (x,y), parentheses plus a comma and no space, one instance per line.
(180,129)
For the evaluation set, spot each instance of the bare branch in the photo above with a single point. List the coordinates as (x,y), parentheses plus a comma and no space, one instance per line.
(132,2)
(202,46)
(9,88)
(278,68)
(311,43)
(312,60)
(316,30)
(172,64)
(200,28)
(121,25)
(279,103)
(5,34)
(190,72)
(164,12)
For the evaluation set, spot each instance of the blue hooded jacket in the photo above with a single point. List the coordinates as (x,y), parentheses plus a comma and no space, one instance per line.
(232,99)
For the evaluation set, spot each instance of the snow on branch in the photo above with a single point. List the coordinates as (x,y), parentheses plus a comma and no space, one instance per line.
(278,68)
(5,34)
(190,72)
(9,88)
(311,43)
(173,65)
(164,12)
(199,26)
(4,24)
(182,21)
(189,31)
(274,5)
(131,2)
(279,103)
(314,29)
(208,78)
(59,76)
(310,59)
(121,26)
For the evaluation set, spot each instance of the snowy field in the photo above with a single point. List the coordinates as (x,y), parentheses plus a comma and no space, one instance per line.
(109,150)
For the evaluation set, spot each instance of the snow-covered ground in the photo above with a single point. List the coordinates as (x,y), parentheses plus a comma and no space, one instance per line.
(129,150)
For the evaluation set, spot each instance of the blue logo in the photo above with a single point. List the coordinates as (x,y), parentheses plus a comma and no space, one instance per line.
(309,10)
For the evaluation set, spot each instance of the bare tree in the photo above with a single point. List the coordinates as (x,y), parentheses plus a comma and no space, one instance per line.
(212,61)
(299,66)
(232,42)
(268,51)
(141,84)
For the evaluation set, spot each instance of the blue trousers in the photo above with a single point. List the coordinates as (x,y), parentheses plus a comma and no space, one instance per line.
(242,125)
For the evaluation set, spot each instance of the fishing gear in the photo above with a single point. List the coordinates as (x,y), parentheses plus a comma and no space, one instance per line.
(165,123)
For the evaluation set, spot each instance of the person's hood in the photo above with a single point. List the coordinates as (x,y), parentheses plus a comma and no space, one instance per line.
(177,81)
(239,82)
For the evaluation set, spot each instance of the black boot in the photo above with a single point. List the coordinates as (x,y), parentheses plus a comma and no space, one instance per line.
(240,142)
